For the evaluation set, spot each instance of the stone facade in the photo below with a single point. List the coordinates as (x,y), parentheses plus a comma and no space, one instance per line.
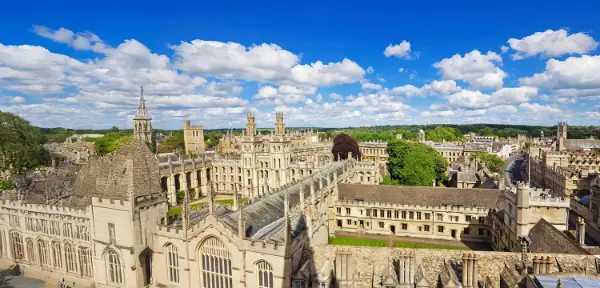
(142,123)
(193,137)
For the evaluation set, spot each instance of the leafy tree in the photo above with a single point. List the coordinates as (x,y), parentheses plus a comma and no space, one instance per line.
(343,144)
(20,144)
(492,161)
(211,139)
(172,143)
(6,185)
(414,164)
(441,133)
(114,129)
(180,196)
(110,142)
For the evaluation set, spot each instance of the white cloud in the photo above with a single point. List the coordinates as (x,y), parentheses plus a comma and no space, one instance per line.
(400,70)
(371,86)
(380,79)
(79,41)
(513,95)
(319,74)
(469,99)
(504,49)
(435,88)
(572,73)
(401,50)
(537,108)
(552,43)
(370,70)
(17,99)
(283,95)
(503,109)
(336,96)
(479,70)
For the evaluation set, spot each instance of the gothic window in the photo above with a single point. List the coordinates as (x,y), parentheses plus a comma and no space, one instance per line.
(264,274)
(85,261)
(299,284)
(17,245)
(30,250)
(70,258)
(43,253)
(57,256)
(67,230)
(215,264)
(115,274)
(173,263)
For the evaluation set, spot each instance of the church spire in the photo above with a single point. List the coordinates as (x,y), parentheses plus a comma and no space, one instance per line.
(142,124)
(142,112)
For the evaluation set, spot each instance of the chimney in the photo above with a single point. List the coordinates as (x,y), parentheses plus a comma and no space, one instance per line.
(580,231)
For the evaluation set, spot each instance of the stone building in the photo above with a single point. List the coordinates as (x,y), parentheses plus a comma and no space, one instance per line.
(193,138)
(142,123)
(565,144)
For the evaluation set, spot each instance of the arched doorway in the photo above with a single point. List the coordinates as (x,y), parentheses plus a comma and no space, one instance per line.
(177,182)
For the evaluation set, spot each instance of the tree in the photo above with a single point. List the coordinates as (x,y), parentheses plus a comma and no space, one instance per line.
(172,143)
(441,133)
(20,144)
(414,164)
(110,142)
(492,161)
(343,144)
(114,129)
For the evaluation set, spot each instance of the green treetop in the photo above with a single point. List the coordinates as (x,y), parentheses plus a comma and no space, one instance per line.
(414,164)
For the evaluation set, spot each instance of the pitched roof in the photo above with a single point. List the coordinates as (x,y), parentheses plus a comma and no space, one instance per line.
(417,195)
(545,238)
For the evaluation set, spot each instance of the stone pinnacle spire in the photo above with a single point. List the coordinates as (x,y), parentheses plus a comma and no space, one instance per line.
(142,112)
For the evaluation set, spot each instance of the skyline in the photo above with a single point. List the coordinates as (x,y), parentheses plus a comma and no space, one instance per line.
(387,64)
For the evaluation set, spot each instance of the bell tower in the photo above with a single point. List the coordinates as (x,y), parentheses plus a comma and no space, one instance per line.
(142,123)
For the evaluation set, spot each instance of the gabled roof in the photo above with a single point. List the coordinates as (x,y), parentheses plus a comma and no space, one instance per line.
(545,238)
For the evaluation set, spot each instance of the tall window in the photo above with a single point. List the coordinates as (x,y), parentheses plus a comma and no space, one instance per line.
(264,274)
(44,253)
(85,262)
(215,264)
(82,233)
(2,243)
(56,254)
(17,245)
(115,275)
(70,258)
(173,263)
(68,230)
(30,250)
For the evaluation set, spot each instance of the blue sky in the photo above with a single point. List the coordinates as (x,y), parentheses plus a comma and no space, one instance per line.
(322,63)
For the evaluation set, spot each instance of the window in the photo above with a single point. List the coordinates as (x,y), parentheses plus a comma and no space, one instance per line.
(349,222)
(427,216)
(339,210)
(466,231)
(468,218)
(418,215)
(14,220)
(55,228)
(411,215)
(173,263)
(115,275)
(67,230)
(215,264)
(440,217)
(347,211)
(29,224)
(481,220)
(111,233)
(43,253)
(441,229)
(403,214)
(368,212)
(70,258)
(339,223)
(30,250)
(481,231)
(381,225)
(82,233)
(396,214)
(389,214)
(426,228)
(17,245)
(381,213)
(298,284)
(404,226)
(56,255)
(374,212)
(265,274)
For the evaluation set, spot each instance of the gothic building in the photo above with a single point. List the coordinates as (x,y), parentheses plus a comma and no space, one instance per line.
(142,123)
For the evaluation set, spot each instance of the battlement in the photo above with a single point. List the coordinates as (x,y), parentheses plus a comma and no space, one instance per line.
(41,208)
(111,203)
(536,196)
(187,125)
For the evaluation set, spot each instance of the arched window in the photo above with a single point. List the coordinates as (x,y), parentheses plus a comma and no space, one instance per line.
(264,274)
(16,242)
(70,258)
(85,261)
(215,264)
(30,250)
(43,253)
(115,275)
(56,254)
(172,263)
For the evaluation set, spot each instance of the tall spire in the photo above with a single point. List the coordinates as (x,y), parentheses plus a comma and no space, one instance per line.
(142,112)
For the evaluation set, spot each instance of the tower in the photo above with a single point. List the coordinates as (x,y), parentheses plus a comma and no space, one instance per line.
(250,124)
(193,138)
(279,125)
(142,123)
(561,136)
(421,136)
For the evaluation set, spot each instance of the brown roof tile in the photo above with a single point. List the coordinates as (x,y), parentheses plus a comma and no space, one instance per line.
(545,238)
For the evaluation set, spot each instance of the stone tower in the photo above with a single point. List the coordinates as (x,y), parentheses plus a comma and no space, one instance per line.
(561,136)
(421,136)
(193,138)
(142,123)
(250,124)
(279,125)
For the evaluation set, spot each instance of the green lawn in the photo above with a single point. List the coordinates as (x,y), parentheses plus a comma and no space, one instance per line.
(179,209)
(351,241)
(427,246)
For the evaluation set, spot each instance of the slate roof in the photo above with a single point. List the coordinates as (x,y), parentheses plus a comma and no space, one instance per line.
(545,238)
(269,209)
(576,144)
(418,195)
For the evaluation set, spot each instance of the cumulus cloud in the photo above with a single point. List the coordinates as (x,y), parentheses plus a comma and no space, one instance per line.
(336,96)
(371,86)
(572,73)
(283,95)
(79,41)
(401,50)
(435,88)
(370,70)
(477,69)
(537,108)
(551,43)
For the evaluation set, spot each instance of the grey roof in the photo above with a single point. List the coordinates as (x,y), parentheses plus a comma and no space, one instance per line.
(270,208)
(275,230)
(423,196)
(576,144)
(543,281)
(545,238)
(466,176)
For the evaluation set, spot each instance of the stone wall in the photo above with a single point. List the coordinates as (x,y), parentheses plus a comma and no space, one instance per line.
(371,262)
